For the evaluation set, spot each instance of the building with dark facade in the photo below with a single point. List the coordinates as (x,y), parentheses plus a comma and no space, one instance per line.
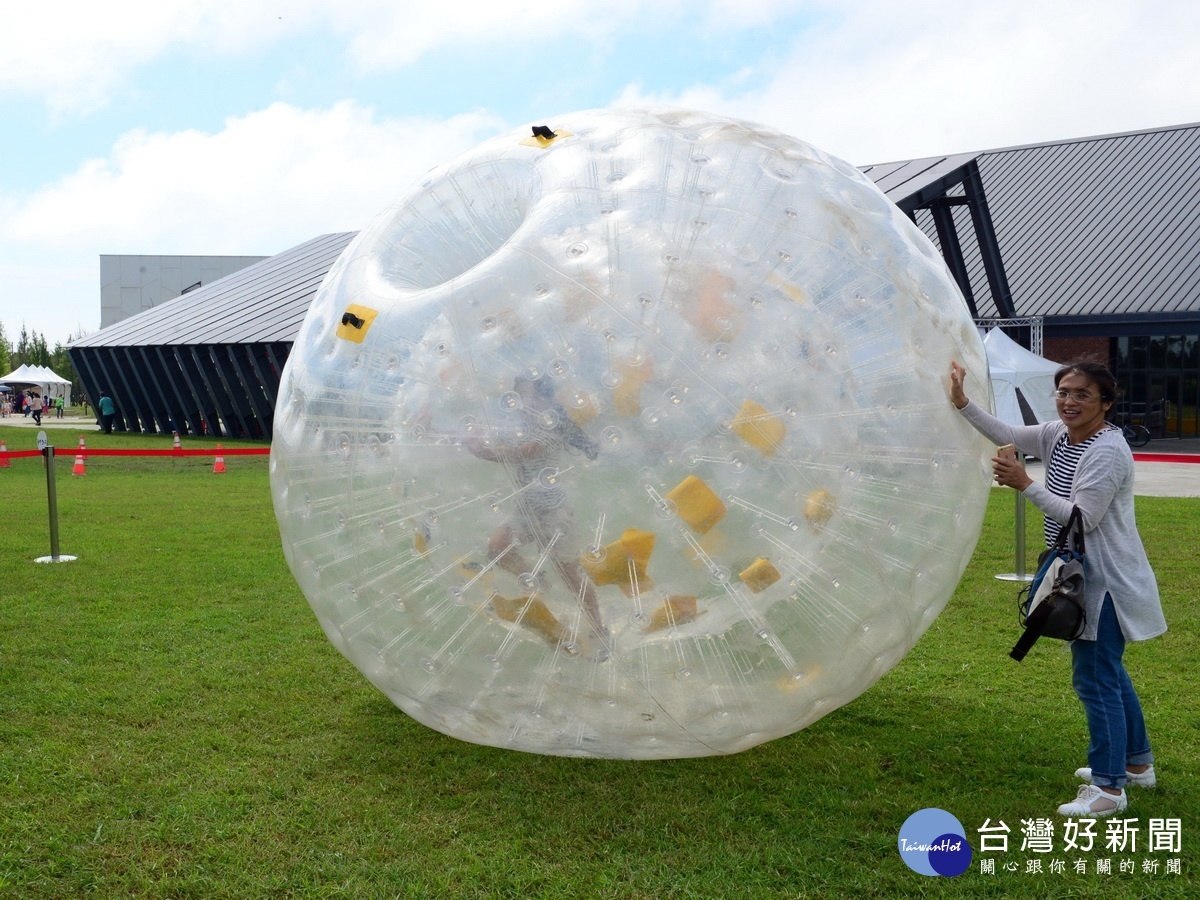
(210,361)
(1096,240)
(1083,248)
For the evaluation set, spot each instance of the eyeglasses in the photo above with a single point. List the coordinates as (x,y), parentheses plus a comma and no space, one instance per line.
(1077,396)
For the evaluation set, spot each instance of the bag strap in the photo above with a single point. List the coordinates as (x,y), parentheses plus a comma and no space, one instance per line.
(1034,624)
(1077,518)
(1074,525)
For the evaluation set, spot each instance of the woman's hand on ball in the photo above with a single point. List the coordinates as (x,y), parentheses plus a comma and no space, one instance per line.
(957,376)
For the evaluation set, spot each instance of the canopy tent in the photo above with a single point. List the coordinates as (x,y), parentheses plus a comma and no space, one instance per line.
(1022,382)
(22,375)
(48,382)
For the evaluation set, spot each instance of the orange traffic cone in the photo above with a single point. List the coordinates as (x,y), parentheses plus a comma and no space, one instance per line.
(4,463)
(219,462)
(80,466)
(178,445)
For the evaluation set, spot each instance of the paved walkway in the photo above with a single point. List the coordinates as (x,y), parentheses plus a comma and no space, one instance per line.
(79,423)
(1152,479)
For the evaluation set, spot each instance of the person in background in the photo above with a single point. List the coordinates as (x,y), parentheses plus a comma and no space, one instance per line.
(107,410)
(1089,465)
(36,406)
(60,406)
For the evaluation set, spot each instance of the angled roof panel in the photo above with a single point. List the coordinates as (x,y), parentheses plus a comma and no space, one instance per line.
(904,180)
(1090,226)
(262,303)
(1100,225)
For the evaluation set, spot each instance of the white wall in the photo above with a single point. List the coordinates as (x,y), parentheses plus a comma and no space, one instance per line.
(131,284)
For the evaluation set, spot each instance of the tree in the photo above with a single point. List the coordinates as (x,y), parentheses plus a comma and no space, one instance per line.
(6,365)
(21,357)
(39,352)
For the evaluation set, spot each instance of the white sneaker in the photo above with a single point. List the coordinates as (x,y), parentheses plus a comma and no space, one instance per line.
(1092,802)
(1136,779)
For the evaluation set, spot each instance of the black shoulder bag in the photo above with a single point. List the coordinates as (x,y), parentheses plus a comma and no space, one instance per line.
(1052,604)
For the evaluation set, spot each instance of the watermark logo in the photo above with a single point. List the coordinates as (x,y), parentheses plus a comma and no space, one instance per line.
(933,842)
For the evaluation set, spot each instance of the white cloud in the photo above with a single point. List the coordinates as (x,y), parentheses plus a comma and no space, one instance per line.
(265,182)
(278,174)
(884,81)
(943,66)
(76,59)
(869,80)
(385,35)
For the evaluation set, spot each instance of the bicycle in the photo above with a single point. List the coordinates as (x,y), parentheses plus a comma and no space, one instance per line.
(1136,435)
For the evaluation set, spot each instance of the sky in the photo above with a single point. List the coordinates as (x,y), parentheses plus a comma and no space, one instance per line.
(246,127)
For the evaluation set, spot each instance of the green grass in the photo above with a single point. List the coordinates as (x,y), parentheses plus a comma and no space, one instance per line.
(174,723)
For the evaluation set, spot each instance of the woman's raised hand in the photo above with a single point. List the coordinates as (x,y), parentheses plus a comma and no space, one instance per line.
(958,375)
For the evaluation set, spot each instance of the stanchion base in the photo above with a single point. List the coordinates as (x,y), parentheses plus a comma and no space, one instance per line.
(1015,577)
(54,559)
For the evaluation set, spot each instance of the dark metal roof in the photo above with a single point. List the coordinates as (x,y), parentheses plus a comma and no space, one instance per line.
(915,181)
(263,303)
(1092,226)
(1100,226)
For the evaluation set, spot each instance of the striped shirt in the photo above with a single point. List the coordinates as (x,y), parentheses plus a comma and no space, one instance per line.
(1060,475)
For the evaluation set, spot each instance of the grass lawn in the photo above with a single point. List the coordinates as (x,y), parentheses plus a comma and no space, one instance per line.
(173,722)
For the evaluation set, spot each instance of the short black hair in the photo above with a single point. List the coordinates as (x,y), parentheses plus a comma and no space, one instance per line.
(1098,373)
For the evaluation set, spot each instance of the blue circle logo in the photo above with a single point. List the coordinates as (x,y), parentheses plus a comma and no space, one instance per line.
(933,842)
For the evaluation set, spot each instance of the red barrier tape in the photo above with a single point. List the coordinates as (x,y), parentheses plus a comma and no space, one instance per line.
(72,451)
(86,452)
(1167,457)
(69,453)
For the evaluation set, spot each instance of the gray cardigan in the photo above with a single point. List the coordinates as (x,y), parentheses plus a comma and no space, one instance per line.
(1103,491)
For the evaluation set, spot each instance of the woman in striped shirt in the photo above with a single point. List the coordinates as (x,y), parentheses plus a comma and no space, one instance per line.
(1089,465)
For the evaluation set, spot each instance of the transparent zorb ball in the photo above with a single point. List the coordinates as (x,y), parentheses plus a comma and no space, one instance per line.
(630,439)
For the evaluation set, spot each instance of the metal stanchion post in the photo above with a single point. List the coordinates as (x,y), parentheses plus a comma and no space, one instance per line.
(52,501)
(1020,574)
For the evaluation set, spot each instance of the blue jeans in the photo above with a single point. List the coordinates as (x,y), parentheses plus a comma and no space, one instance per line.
(1114,714)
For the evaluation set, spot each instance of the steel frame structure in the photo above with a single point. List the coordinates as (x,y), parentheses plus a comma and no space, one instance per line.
(224,390)
(936,199)
(1033,323)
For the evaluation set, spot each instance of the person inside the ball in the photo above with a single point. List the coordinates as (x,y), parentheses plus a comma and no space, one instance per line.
(533,453)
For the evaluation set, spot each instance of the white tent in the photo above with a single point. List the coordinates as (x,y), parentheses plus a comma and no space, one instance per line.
(1021,381)
(22,375)
(49,382)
